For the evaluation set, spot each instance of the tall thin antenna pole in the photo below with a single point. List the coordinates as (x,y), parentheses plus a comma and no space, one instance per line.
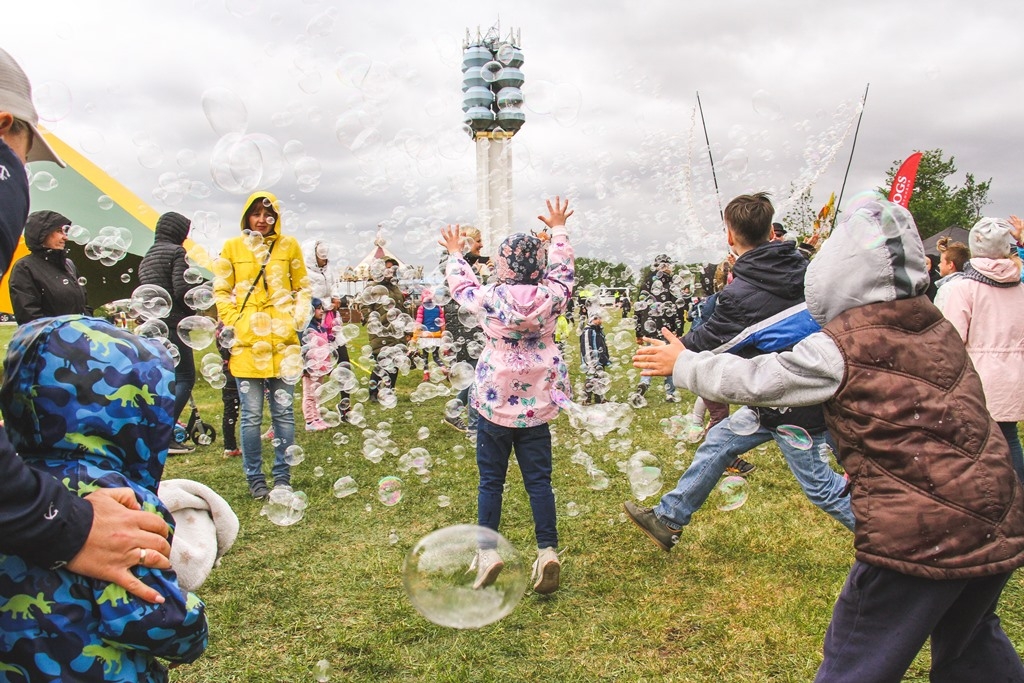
(863,102)
(718,194)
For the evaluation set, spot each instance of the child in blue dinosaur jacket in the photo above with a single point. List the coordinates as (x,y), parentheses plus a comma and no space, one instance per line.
(92,405)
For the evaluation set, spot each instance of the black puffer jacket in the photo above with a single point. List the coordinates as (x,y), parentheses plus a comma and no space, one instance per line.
(45,283)
(762,311)
(164,264)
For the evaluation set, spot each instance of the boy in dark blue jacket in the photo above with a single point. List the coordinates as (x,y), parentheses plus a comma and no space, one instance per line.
(761,311)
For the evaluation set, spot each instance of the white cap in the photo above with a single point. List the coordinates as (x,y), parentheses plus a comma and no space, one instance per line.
(16,98)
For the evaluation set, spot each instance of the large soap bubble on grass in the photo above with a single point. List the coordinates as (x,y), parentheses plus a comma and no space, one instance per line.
(439,574)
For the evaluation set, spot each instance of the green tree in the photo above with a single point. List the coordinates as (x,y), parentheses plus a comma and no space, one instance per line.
(592,271)
(800,217)
(936,203)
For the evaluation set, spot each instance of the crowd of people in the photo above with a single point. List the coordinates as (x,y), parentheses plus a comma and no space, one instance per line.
(897,416)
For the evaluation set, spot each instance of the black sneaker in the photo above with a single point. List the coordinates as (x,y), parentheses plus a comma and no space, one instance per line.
(180,449)
(663,536)
(642,389)
(741,467)
(258,489)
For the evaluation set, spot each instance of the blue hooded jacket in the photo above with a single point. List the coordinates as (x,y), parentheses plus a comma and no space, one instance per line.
(90,404)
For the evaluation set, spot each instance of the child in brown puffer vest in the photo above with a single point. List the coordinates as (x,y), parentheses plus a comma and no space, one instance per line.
(939,513)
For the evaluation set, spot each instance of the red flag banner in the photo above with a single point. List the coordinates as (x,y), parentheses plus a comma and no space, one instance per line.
(903,183)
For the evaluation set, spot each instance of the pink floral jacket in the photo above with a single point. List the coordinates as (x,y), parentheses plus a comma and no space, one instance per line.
(520,364)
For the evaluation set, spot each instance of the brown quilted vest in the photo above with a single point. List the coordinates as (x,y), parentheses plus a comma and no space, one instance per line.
(933,489)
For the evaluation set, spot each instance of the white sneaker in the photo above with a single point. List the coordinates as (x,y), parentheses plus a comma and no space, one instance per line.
(546,571)
(488,564)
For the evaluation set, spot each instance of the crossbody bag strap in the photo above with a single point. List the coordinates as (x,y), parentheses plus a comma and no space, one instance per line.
(259,275)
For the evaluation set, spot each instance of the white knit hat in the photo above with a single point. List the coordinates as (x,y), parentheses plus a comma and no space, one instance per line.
(205,527)
(991,238)
(16,98)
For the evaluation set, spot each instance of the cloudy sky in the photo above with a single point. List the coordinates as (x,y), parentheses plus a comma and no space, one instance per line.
(355,108)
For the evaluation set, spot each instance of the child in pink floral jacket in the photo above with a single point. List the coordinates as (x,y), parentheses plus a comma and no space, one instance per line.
(518,369)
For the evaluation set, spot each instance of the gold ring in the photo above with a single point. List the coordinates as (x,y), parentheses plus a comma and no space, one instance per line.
(142,556)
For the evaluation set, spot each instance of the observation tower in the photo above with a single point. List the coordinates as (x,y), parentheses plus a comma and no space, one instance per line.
(492,102)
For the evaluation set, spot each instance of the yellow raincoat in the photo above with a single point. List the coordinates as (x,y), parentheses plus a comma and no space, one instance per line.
(265,330)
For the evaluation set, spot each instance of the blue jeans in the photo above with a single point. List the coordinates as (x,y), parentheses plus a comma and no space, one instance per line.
(821,484)
(184,371)
(282,418)
(1009,430)
(532,445)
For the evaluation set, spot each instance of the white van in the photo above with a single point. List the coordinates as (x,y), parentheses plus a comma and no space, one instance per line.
(606,295)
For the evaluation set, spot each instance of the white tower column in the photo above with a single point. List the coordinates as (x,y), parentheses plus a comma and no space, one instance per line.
(494,188)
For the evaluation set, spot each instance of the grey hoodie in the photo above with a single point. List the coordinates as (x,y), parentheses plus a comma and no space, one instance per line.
(874,255)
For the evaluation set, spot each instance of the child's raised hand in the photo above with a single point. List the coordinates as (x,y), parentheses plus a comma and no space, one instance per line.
(557,214)
(451,239)
(1018,228)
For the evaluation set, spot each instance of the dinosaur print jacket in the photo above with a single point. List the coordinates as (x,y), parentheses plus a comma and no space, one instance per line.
(91,405)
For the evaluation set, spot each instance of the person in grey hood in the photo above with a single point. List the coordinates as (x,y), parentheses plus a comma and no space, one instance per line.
(939,514)
(45,283)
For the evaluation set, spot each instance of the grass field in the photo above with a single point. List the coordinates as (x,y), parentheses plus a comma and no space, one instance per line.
(745,596)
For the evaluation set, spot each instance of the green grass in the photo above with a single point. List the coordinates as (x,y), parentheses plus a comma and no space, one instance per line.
(745,596)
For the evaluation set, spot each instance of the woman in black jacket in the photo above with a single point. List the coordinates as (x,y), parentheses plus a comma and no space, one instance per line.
(45,283)
(164,265)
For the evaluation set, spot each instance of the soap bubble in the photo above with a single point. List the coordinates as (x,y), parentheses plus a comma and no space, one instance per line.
(423,433)
(294,454)
(461,375)
(598,480)
(797,437)
(439,580)
(644,472)
(285,507)
(744,422)
(389,490)
(345,486)
(197,331)
(322,671)
(732,493)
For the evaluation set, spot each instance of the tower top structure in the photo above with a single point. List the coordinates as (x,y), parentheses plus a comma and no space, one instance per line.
(492,96)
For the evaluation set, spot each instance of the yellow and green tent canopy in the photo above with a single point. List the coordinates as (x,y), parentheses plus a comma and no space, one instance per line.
(90,197)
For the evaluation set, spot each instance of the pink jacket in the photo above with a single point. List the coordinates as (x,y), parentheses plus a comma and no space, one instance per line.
(520,364)
(990,320)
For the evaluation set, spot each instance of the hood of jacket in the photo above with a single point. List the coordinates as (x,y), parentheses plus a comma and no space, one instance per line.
(39,226)
(172,227)
(80,392)
(775,267)
(309,252)
(874,255)
(997,269)
(275,229)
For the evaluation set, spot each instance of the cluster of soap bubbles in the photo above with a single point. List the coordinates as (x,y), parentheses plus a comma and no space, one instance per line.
(682,428)
(108,247)
(418,460)
(597,479)
(211,367)
(376,444)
